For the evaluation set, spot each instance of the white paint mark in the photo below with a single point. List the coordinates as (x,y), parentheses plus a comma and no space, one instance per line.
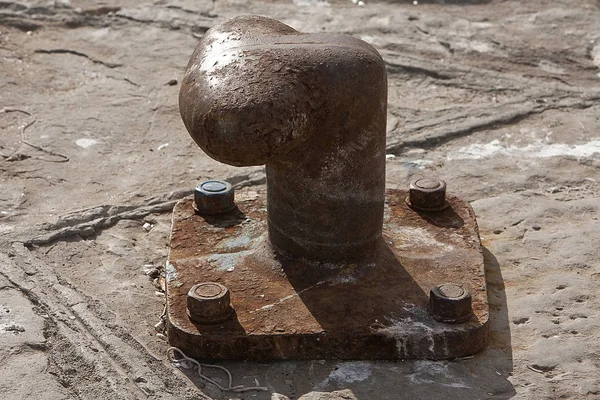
(480,47)
(409,237)
(286,298)
(225,262)
(100,33)
(481,25)
(434,373)
(235,243)
(170,272)
(85,142)
(536,150)
(311,3)
(162,146)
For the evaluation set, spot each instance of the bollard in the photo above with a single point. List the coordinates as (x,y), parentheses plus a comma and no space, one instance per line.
(327,263)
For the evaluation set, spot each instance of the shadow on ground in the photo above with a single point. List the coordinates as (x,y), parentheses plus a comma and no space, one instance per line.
(483,376)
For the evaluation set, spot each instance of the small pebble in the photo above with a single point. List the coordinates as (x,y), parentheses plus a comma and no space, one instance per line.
(160,326)
(151,271)
(147,227)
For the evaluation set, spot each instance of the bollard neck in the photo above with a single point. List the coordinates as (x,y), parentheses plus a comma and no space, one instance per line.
(326,201)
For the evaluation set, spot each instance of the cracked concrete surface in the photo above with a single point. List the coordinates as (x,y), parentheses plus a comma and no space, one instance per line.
(499,98)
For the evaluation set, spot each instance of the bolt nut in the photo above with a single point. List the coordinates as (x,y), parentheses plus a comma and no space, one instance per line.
(450,303)
(214,197)
(209,303)
(427,195)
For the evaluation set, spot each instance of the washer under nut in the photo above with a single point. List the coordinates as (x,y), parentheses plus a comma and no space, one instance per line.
(209,303)
(214,197)
(450,303)
(427,195)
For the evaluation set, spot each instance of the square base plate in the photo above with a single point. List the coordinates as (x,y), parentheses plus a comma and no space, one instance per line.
(294,309)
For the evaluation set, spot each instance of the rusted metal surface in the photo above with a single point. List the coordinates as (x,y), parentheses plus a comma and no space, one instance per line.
(312,107)
(323,267)
(289,308)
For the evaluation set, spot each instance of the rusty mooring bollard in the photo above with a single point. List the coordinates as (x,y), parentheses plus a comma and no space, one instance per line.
(336,267)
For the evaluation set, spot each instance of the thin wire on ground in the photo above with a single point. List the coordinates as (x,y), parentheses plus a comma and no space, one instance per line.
(186,362)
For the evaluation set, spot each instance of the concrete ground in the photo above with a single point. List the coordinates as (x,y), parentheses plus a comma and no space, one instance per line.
(499,98)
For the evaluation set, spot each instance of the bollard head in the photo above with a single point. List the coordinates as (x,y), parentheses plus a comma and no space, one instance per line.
(427,195)
(450,303)
(256,90)
(209,303)
(214,197)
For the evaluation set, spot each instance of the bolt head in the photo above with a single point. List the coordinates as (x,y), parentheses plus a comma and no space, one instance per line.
(450,303)
(214,197)
(209,303)
(427,195)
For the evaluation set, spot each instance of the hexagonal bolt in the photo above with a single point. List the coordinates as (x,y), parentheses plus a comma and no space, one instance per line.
(450,303)
(214,197)
(209,303)
(427,195)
